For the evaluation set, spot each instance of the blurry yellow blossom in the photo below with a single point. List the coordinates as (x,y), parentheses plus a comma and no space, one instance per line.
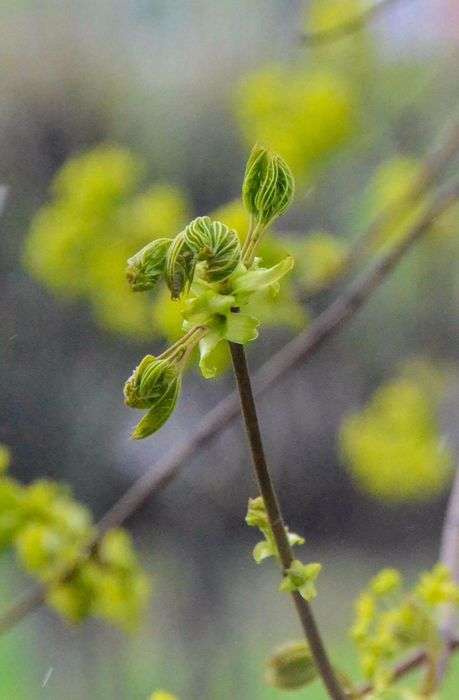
(79,243)
(162,695)
(303,115)
(393,448)
(389,621)
(319,260)
(437,587)
(49,531)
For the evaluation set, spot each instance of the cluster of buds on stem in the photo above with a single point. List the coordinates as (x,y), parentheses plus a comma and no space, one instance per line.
(205,265)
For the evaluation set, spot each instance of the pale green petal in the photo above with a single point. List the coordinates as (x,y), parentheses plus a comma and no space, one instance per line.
(206,345)
(262,551)
(254,280)
(295,539)
(241,328)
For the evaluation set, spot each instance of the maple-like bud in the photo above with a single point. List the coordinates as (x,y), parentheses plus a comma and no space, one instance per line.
(268,186)
(147,266)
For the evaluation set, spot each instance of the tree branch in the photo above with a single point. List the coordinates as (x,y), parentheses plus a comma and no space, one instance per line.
(352,25)
(449,555)
(410,664)
(432,169)
(298,350)
(276,521)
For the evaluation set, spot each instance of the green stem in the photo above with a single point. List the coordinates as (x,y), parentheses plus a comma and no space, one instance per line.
(276,521)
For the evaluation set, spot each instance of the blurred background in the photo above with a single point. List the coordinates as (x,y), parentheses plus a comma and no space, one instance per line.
(121,120)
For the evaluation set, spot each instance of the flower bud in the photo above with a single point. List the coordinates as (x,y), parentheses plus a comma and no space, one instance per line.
(215,243)
(146,267)
(268,186)
(291,667)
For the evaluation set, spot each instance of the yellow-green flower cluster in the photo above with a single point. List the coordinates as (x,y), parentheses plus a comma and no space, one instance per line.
(50,532)
(79,242)
(393,448)
(389,621)
(302,114)
(162,695)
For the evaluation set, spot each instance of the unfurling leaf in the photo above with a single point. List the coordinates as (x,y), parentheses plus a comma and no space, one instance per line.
(160,412)
(180,266)
(147,266)
(216,244)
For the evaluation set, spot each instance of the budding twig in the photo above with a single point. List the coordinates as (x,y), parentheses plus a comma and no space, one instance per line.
(298,350)
(276,521)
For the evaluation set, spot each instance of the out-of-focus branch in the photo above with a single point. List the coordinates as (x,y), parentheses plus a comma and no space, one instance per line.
(449,555)
(432,169)
(410,664)
(352,25)
(297,351)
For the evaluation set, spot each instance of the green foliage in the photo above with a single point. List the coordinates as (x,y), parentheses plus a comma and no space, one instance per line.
(214,280)
(393,448)
(50,532)
(389,621)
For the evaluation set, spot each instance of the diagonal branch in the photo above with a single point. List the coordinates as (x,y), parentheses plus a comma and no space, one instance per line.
(297,351)
(352,25)
(407,666)
(449,555)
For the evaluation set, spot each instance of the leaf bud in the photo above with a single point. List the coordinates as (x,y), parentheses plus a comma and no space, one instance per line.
(291,667)
(268,186)
(215,243)
(146,267)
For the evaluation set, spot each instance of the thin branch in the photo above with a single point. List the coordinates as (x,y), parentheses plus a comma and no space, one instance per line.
(298,350)
(352,25)
(276,521)
(407,666)
(432,169)
(449,555)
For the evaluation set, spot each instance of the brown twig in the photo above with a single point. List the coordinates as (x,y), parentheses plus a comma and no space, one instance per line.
(352,25)
(432,168)
(410,664)
(298,350)
(449,555)
(276,521)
